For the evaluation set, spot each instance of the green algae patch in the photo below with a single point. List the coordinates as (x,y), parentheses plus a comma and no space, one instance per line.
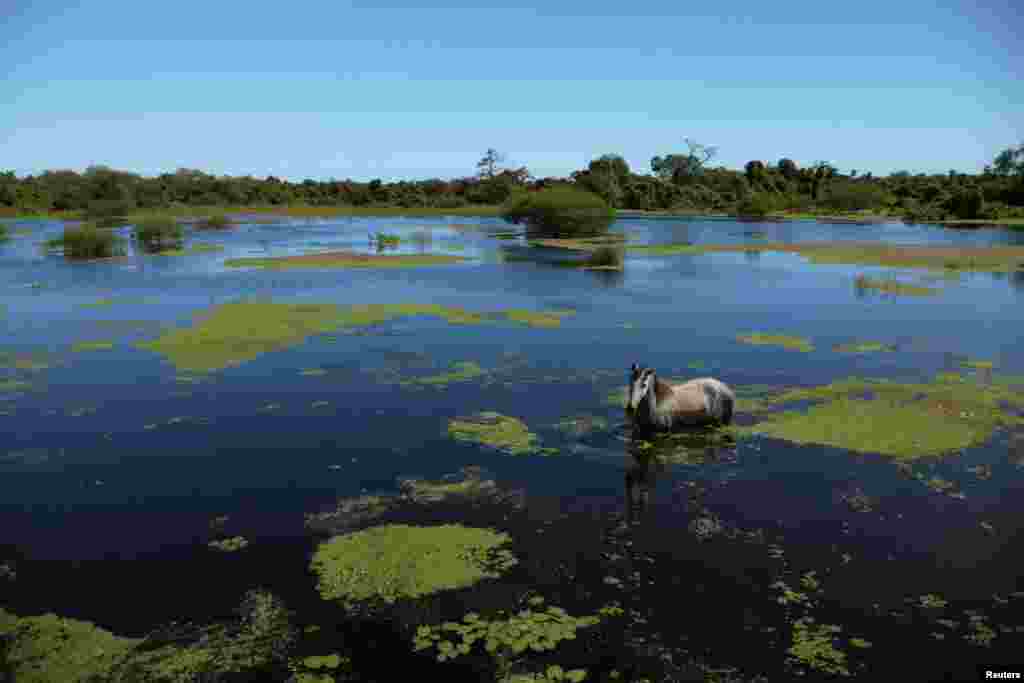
(52,649)
(93,346)
(461,371)
(313,372)
(234,333)
(398,561)
(978,364)
(192,249)
(11,385)
(537,318)
(998,258)
(814,647)
(892,286)
(864,347)
(904,421)
(787,342)
(345,260)
(498,431)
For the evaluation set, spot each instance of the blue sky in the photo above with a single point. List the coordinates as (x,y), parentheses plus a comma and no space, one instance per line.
(399,90)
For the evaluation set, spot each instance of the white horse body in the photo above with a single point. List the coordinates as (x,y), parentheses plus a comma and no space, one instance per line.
(659,405)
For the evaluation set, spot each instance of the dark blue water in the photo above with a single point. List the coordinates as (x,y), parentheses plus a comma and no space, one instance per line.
(113,468)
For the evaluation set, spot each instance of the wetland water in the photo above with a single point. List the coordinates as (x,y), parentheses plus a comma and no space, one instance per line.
(114,456)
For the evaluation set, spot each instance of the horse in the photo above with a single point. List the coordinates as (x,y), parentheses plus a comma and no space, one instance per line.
(657,405)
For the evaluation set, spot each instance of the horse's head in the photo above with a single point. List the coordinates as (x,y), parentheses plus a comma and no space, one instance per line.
(641,383)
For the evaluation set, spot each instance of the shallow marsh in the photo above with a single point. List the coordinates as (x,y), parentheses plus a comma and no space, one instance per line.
(858,519)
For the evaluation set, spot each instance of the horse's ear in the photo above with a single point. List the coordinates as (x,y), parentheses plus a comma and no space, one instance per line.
(633,369)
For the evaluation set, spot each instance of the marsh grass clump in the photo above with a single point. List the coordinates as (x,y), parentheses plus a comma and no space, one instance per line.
(87,241)
(559,211)
(159,233)
(605,258)
(392,562)
(498,431)
(790,343)
(891,286)
(5,234)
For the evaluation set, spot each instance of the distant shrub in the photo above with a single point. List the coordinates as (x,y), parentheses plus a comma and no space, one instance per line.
(450,201)
(159,233)
(851,196)
(757,205)
(109,209)
(86,241)
(560,211)
(216,222)
(966,203)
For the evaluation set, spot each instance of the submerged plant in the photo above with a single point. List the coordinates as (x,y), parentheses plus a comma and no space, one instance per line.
(159,233)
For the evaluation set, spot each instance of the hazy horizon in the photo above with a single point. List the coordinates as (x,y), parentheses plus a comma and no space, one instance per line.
(355,92)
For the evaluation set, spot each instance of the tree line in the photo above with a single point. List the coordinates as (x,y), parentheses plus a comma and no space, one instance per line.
(683,181)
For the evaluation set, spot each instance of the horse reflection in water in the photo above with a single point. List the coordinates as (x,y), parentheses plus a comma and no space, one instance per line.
(650,460)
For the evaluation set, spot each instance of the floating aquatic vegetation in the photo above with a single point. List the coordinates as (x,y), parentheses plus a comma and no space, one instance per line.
(31,362)
(696,365)
(537,318)
(931,601)
(814,647)
(319,404)
(581,425)
(320,668)
(978,364)
(11,385)
(498,431)
(313,372)
(506,639)
(229,545)
(892,286)
(269,407)
(345,260)
(864,347)
(858,501)
(860,643)
(979,632)
(49,648)
(461,371)
(93,346)
(233,333)
(1000,258)
(399,561)
(787,342)
(192,249)
(902,420)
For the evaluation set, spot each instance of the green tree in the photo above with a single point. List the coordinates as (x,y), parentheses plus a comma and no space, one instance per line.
(788,168)
(683,168)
